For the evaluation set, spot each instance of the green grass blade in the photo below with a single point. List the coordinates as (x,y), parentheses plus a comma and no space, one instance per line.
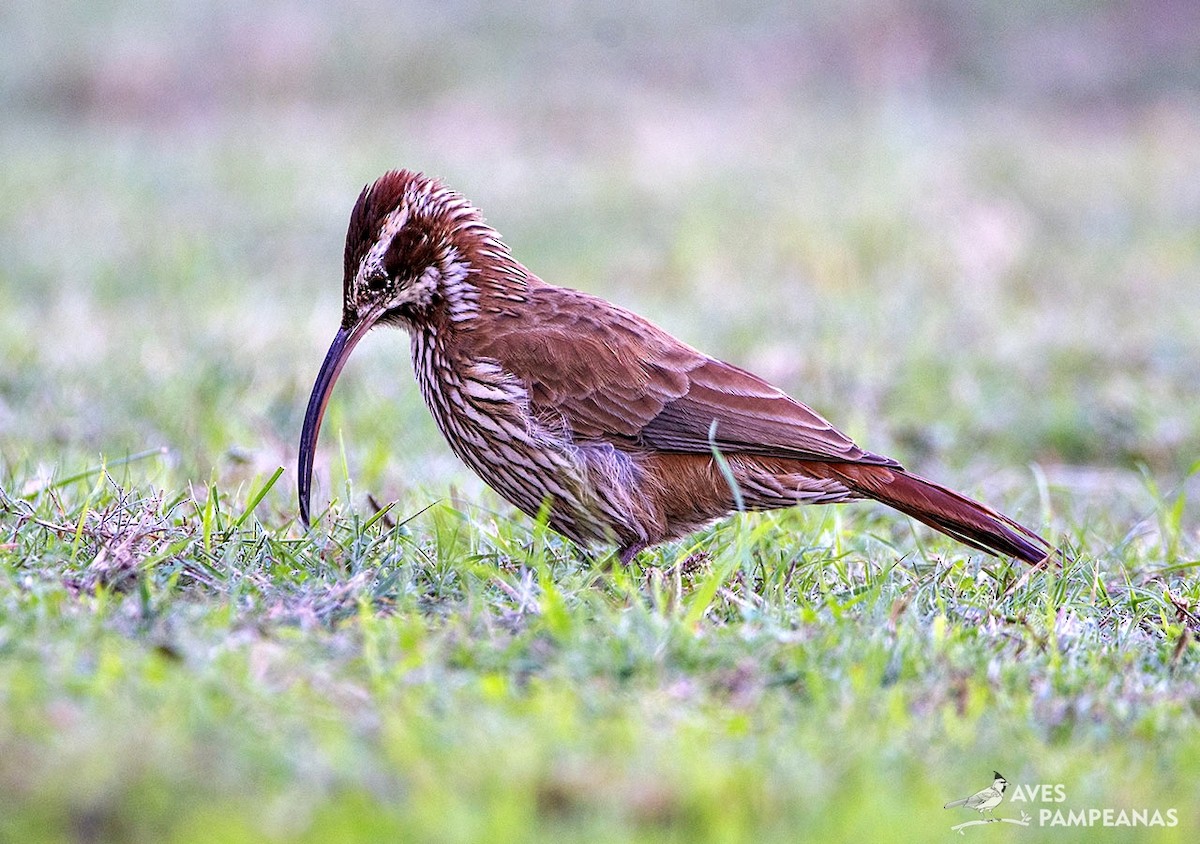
(257,498)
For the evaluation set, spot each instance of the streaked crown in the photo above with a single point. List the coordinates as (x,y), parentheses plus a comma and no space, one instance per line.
(412,245)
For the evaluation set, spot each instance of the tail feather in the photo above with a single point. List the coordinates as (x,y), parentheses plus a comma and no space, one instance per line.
(943,509)
(954,803)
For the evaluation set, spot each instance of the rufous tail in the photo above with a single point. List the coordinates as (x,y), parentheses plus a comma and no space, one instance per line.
(944,509)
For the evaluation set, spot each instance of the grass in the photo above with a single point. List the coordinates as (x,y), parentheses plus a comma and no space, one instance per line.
(990,277)
(167,669)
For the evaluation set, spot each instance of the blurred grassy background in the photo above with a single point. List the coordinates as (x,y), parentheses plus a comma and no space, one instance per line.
(968,233)
(955,228)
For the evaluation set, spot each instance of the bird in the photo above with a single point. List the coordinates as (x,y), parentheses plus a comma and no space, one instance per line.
(985,800)
(569,405)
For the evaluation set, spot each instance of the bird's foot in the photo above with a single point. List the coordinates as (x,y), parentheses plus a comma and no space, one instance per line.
(680,578)
(692,567)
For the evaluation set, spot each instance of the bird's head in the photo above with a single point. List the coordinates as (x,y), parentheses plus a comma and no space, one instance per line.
(409,249)
(416,256)
(999,782)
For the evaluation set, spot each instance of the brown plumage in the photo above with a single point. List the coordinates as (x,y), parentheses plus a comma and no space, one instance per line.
(558,398)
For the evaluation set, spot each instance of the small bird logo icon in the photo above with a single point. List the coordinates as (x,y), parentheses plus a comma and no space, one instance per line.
(985,800)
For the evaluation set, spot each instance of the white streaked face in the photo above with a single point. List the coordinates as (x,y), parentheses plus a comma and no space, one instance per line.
(409,265)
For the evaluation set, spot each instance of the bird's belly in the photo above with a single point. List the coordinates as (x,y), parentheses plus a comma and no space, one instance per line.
(485,420)
(533,473)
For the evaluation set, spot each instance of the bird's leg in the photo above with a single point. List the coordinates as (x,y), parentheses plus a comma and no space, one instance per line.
(630,551)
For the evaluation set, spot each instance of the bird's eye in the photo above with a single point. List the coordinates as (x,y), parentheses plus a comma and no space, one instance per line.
(376,282)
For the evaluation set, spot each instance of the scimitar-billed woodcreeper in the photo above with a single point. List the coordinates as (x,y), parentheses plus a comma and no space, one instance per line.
(565,402)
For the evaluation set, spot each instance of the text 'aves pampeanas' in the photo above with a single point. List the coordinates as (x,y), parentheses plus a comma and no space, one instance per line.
(561,399)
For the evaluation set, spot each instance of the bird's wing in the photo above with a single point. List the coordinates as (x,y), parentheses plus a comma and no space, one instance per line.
(610,375)
(981,797)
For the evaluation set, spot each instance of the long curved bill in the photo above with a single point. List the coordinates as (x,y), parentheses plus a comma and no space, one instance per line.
(343,344)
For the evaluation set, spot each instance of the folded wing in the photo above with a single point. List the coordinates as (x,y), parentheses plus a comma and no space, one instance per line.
(626,381)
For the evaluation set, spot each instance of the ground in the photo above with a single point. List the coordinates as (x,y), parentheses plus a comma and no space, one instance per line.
(970,236)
